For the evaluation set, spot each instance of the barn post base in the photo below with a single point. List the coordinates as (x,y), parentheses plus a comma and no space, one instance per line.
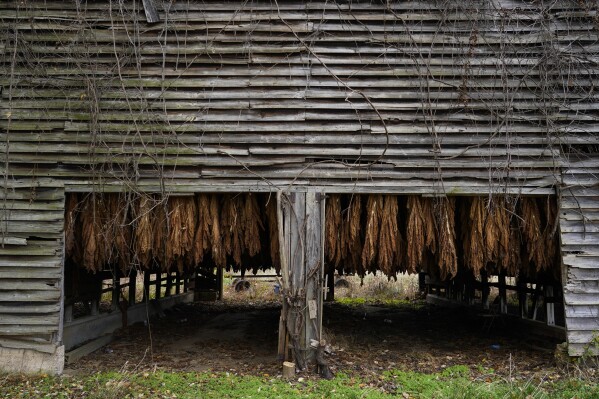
(30,361)
(301,234)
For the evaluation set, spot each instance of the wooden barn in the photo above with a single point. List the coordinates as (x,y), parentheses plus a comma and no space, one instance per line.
(458,139)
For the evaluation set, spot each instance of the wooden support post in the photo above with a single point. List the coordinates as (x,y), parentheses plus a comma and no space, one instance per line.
(158,284)
(522,297)
(146,296)
(132,287)
(178,283)
(96,297)
(186,281)
(95,307)
(535,301)
(502,294)
(169,284)
(449,291)
(68,313)
(472,292)
(116,291)
(220,281)
(422,282)
(301,216)
(330,293)
(314,258)
(485,290)
(549,304)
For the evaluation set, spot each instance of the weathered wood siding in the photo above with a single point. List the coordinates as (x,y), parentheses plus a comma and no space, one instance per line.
(31,258)
(452,96)
(579,224)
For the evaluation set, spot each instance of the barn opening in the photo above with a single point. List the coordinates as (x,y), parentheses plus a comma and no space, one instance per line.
(132,257)
(494,250)
(129,256)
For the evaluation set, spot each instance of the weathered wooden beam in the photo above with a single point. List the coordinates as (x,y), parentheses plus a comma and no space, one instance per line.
(302,238)
(152,16)
(132,287)
(502,294)
(12,241)
(549,305)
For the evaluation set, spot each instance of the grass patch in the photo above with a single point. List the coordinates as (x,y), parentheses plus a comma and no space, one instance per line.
(390,302)
(453,382)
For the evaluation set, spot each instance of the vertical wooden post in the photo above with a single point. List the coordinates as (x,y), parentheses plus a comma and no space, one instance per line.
(146,296)
(449,291)
(178,283)
(302,248)
(314,244)
(297,273)
(284,237)
(502,294)
(158,284)
(132,287)
(116,288)
(68,313)
(220,281)
(471,289)
(330,296)
(169,284)
(422,282)
(95,307)
(97,296)
(550,304)
(485,291)
(522,297)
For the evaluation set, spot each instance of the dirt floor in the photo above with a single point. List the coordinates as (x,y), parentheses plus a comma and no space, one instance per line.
(241,337)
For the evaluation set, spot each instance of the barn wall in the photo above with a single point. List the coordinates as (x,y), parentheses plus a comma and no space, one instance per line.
(450,97)
(463,97)
(579,224)
(31,258)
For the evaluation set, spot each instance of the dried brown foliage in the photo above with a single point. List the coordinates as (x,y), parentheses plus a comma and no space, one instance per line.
(160,231)
(273,229)
(550,241)
(473,225)
(218,251)
(231,228)
(202,240)
(143,235)
(374,214)
(181,232)
(93,256)
(118,229)
(390,246)
(447,257)
(491,236)
(71,228)
(350,237)
(532,231)
(333,220)
(421,235)
(251,224)
(362,234)
(538,227)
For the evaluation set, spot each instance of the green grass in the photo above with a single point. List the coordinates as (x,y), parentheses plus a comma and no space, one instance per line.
(453,382)
(389,302)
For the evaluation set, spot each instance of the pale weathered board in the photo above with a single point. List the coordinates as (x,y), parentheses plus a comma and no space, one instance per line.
(31,269)
(580,254)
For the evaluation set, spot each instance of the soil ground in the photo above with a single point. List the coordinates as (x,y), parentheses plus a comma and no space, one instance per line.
(240,336)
